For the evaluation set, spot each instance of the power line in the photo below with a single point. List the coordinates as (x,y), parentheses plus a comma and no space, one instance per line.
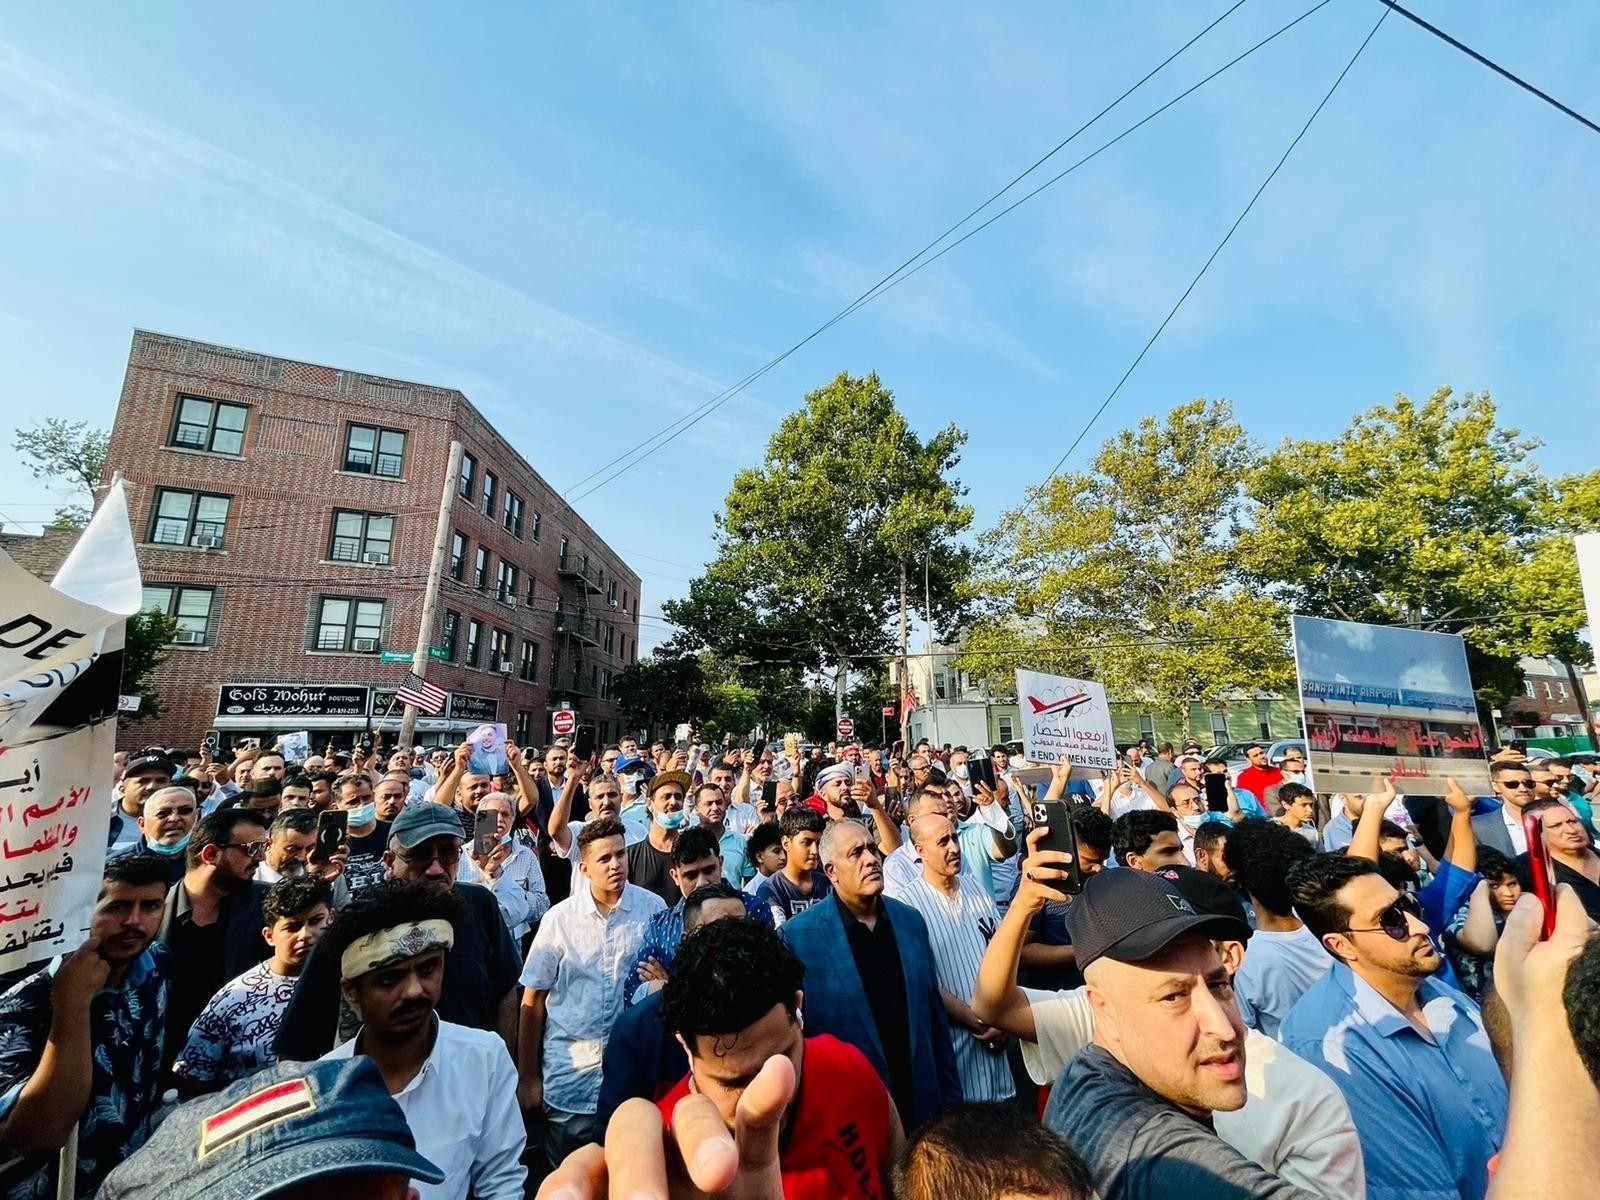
(692,418)
(1492,65)
(1239,220)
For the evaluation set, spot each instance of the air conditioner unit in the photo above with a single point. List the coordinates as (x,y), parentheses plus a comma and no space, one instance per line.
(364,645)
(505,668)
(376,557)
(205,541)
(509,601)
(189,637)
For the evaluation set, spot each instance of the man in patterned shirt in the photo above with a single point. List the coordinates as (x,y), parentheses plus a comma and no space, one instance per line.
(233,1035)
(80,1039)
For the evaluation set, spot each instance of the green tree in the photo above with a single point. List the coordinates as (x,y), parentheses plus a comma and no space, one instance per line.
(1128,574)
(662,689)
(149,634)
(815,544)
(69,454)
(1430,515)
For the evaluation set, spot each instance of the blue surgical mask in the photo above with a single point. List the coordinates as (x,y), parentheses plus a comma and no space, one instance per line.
(363,816)
(173,850)
(1194,820)
(670,820)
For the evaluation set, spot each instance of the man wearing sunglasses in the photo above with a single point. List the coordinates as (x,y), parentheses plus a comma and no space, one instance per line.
(1409,1052)
(212,922)
(1501,829)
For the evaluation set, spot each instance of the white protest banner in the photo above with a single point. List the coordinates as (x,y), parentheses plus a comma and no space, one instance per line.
(60,676)
(1065,720)
(1380,700)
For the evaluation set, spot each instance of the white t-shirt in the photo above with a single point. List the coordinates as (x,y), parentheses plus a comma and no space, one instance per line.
(1277,970)
(1294,1122)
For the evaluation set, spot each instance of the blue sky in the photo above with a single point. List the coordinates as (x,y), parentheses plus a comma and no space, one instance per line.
(592,218)
(1349,652)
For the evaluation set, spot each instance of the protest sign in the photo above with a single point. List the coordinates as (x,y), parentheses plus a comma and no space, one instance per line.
(1065,720)
(488,744)
(60,676)
(1387,701)
(296,747)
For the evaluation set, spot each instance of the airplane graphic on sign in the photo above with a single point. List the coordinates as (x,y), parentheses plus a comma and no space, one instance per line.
(1058,706)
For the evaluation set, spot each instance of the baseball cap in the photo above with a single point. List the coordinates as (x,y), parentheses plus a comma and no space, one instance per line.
(273,1131)
(625,765)
(1129,916)
(146,760)
(681,778)
(1208,894)
(1184,759)
(417,824)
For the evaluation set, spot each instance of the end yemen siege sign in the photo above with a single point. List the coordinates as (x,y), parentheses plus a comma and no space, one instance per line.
(60,674)
(1065,720)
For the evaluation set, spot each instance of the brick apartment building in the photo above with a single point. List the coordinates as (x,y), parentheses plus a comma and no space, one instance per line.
(286,514)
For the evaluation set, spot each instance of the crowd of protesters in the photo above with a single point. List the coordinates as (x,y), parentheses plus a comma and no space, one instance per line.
(813,972)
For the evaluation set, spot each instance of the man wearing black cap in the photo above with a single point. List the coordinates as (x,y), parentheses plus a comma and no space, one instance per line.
(1168,1046)
(146,774)
(480,974)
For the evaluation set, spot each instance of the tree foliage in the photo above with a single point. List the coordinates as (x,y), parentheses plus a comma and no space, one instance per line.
(662,689)
(149,634)
(70,454)
(1127,572)
(1430,515)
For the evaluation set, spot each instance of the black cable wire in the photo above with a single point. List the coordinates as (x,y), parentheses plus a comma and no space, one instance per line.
(1193,283)
(694,416)
(1492,65)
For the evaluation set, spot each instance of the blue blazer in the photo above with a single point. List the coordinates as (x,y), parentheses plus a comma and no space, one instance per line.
(836,1003)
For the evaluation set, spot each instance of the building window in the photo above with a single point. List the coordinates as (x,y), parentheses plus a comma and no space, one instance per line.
(611,594)
(458,557)
(511,518)
(344,623)
(500,650)
(1003,726)
(624,601)
(529,671)
(605,686)
(215,425)
(562,560)
(939,685)
(474,640)
(532,580)
(361,537)
(189,606)
(449,632)
(189,519)
(1548,694)
(538,520)
(611,631)
(1147,725)
(480,569)
(524,729)
(369,450)
(1528,689)
(469,474)
(489,483)
(505,584)
(1219,726)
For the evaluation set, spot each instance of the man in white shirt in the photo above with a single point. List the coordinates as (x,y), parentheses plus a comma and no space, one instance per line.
(986,837)
(457,1086)
(1285,957)
(605,800)
(510,870)
(1294,1123)
(961,917)
(574,977)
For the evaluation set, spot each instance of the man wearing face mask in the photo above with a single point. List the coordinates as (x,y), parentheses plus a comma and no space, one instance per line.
(367,837)
(650,861)
(511,871)
(146,773)
(166,826)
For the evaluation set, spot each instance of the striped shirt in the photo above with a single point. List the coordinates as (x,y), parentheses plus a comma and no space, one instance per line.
(959,929)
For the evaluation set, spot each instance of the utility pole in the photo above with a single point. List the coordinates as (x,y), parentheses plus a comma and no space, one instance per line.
(430,597)
(933,685)
(905,659)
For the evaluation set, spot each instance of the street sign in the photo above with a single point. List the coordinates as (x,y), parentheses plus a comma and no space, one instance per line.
(888,710)
(395,656)
(847,727)
(439,652)
(563,721)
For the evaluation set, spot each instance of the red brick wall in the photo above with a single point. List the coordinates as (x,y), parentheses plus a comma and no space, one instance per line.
(285,486)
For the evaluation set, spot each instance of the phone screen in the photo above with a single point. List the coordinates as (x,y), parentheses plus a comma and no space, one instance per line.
(1051,816)
(769,793)
(332,825)
(1216,786)
(485,835)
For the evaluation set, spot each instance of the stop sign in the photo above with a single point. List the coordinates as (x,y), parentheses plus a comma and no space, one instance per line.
(847,727)
(563,721)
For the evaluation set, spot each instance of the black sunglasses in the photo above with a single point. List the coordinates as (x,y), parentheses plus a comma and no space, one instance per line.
(1392,920)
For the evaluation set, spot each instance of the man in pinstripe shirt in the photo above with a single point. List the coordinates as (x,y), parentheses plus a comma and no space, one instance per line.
(961,917)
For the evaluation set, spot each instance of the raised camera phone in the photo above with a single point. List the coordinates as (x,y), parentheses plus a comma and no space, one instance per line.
(332,826)
(485,834)
(1052,817)
(1216,785)
(980,769)
(583,747)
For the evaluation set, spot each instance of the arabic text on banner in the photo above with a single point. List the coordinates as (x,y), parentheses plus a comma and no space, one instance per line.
(1065,720)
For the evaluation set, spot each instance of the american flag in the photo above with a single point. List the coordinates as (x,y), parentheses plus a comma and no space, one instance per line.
(908,702)
(418,691)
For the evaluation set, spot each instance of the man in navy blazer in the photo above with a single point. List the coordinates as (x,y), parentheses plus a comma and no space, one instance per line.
(870,979)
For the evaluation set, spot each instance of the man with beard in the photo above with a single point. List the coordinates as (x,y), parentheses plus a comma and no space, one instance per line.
(455,1084)
(1409,1053)
(147,773)
(81,1039)
(212,922)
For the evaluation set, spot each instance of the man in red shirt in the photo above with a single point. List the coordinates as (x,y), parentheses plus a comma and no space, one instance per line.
(1259,775)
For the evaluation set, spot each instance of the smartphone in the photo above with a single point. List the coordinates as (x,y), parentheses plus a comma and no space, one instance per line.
(758,750)
(485,835)
(1542,870)
(980,769)
(681,745)
(899,749)
(213,741)
(365,745)
(332,826)
(1051,816)
(769,794)
(1216,785)
(583,748)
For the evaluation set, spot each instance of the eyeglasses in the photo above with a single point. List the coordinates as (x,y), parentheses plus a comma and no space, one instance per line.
(253,849)
(1392,920)
(1515,783)
(445,858)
